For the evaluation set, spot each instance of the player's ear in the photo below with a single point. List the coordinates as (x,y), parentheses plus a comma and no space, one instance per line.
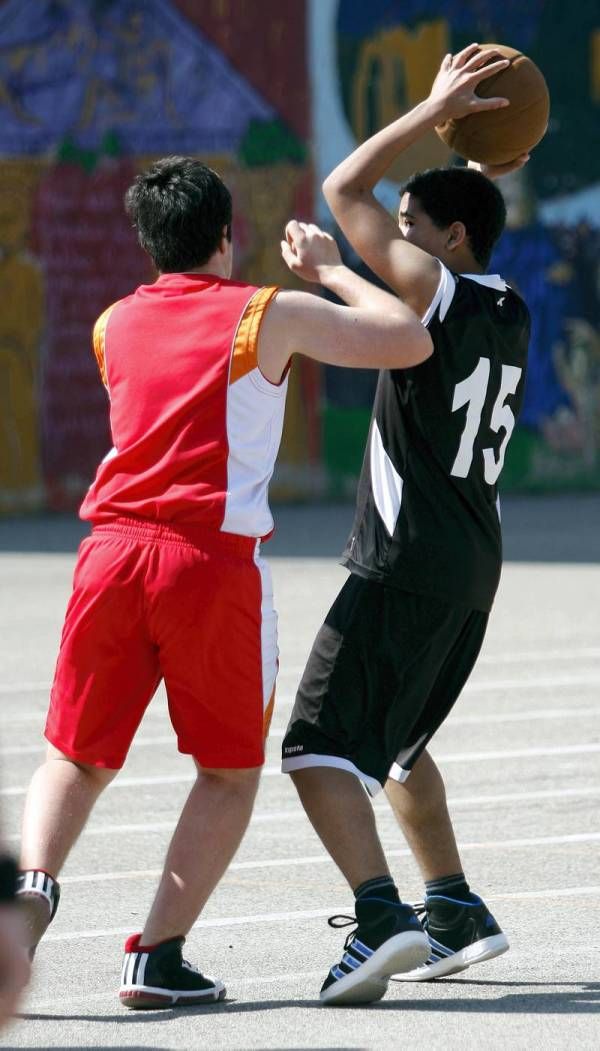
(225,239)
(457,235)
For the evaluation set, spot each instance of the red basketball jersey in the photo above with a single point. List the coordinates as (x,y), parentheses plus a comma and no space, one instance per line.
(195,425)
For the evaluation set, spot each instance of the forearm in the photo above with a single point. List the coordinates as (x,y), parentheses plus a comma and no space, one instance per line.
(364,168)
(356,292)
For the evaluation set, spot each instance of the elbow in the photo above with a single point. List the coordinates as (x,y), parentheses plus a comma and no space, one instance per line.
(330,188)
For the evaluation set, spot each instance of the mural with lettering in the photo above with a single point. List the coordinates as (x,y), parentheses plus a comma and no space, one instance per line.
(90,92)
(372,62)
(273,96)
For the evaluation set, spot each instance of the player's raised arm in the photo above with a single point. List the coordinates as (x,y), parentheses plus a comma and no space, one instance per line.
(375,329)
(375,235)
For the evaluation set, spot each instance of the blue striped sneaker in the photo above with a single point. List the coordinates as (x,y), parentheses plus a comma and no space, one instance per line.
(460,934)
(155,976)
(387,938)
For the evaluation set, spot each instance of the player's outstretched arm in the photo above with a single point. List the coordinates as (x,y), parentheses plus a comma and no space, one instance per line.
(349,189)
(375,330)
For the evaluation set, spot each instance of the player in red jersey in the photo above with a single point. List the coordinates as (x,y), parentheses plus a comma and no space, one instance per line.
(170,584)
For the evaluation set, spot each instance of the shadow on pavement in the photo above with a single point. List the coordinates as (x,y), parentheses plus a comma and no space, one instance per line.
(562,528)
(565,998)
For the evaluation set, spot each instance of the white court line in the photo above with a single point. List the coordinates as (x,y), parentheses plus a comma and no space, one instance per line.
(382,809)
(489,659)
(283,699)
(273,771)
(278,732)
(324,859)
(312,914)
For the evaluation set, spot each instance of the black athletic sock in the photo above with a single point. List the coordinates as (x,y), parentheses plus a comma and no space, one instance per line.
(382,887)
(454,886)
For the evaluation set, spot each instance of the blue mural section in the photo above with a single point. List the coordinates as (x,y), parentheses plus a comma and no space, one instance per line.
(137,71)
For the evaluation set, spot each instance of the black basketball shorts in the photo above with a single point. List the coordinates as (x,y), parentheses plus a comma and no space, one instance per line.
(385,669)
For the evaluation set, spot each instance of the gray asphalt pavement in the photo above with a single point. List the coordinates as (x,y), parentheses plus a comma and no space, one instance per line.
(521,755)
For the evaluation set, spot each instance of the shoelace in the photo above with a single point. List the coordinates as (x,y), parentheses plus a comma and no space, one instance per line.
(347,921)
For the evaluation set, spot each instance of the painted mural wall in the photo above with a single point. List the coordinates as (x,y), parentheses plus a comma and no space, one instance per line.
(90,92)
(372,61)
(272,94)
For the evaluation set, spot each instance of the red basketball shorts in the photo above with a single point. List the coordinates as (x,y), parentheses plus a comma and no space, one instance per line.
(191,606)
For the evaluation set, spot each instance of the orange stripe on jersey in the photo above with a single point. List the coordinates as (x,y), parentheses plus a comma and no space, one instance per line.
(98,340)
(245,347)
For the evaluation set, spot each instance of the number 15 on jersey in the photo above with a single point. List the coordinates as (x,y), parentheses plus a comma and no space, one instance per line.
(472,392)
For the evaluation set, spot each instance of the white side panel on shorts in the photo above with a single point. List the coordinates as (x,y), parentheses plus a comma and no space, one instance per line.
(302,762)
(269,647)
(386,483)
(255,410)
(398,773)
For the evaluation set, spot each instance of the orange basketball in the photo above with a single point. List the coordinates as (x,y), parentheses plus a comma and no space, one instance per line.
(498,136)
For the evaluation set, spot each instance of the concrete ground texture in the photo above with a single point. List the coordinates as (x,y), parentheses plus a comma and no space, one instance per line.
(521,757)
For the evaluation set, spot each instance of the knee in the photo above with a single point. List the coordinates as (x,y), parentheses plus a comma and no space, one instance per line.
(243,782)
(97,776)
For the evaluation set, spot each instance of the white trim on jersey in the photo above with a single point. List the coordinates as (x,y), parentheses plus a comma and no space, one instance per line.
(302,762)
(386,483)
(444,294)
(490,280)
(255,412)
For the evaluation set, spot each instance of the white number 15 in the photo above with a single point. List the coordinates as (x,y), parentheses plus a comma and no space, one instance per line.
(472,392)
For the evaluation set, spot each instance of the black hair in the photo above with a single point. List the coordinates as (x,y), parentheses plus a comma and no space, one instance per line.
(450,195)
(179,208)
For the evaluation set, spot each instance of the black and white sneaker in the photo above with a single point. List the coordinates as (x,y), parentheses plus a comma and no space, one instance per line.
(388,938)
(156,976)
(38,895)
(460,934)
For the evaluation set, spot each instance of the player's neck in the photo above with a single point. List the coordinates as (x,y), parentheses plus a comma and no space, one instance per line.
(215,266)
(462,263)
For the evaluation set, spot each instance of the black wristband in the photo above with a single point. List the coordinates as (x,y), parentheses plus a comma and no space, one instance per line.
(8,879)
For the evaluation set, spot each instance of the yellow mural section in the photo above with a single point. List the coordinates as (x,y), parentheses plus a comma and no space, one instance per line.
(395,70)
(21,328)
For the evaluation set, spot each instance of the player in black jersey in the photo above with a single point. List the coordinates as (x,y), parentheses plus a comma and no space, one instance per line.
(425,551)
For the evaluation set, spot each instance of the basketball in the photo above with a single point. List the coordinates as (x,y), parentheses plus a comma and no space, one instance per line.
(499,136)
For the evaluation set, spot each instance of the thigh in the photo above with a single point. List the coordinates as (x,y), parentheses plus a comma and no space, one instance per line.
(107,668)
(217,634)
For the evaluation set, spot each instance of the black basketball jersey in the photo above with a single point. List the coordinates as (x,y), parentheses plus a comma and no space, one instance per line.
(427,517)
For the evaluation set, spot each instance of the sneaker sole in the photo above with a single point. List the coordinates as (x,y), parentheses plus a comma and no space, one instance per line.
(369,982)
(141,998)
(478,952)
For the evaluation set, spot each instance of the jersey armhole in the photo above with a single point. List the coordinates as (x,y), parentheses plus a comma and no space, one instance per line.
(443,296)
(99,343)
(244,357)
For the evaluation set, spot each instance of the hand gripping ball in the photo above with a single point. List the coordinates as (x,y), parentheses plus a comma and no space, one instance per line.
(499,136)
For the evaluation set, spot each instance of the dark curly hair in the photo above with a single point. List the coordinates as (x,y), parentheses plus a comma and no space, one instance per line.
(450,195)
(179,208)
